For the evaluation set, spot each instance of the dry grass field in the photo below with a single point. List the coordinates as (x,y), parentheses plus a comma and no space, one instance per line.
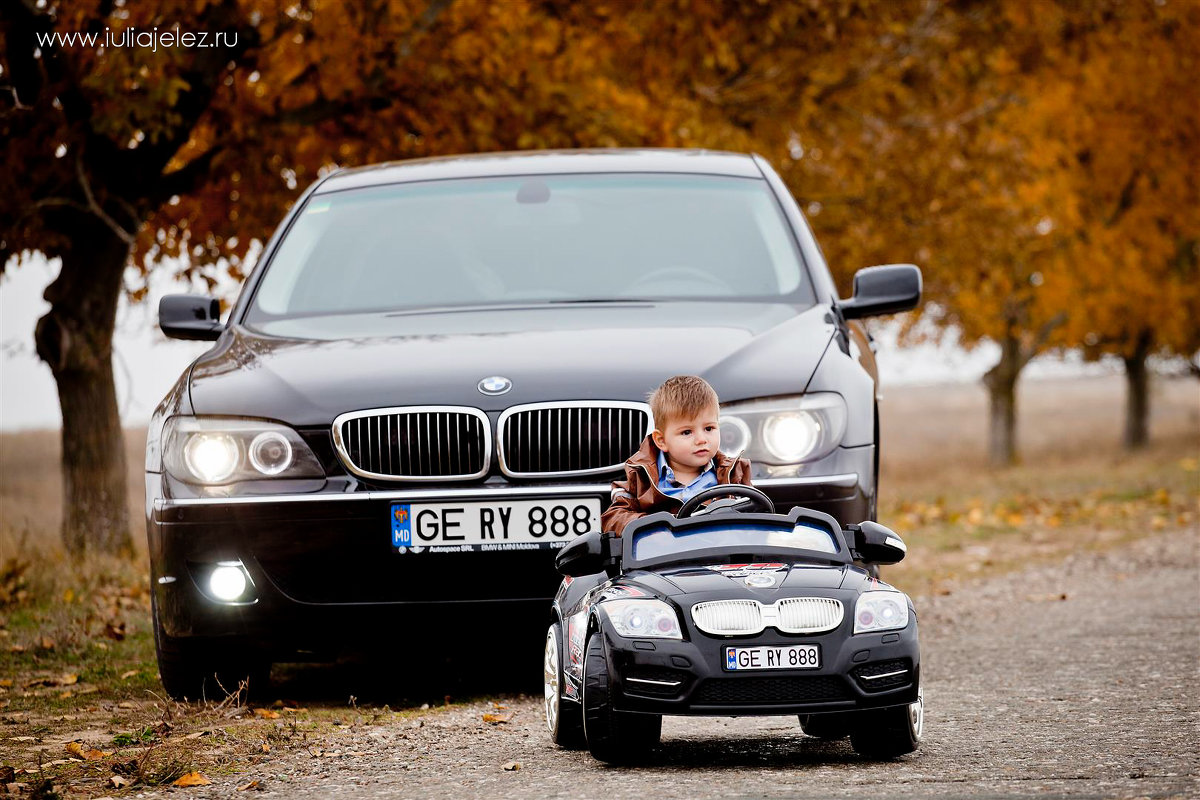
(80,701)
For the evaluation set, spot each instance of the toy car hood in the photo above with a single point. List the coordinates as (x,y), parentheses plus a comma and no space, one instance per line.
(759,581)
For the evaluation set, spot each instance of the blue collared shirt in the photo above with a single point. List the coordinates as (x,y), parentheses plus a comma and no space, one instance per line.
(672,488)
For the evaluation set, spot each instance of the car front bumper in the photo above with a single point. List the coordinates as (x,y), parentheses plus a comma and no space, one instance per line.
(322,567)
(860,672)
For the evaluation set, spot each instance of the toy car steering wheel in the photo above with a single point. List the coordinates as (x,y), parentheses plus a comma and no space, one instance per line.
(758,500)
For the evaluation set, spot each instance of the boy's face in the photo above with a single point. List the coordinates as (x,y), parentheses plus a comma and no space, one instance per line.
(689,442)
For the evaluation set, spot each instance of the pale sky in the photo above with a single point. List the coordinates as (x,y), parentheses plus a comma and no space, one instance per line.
(146,363)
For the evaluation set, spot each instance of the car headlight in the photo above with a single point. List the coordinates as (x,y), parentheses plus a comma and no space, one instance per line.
(784,430)
(214,451)
(880,611)
(643,618)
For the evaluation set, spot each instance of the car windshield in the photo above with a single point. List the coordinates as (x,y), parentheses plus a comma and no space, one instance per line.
(658,541)
(532,239)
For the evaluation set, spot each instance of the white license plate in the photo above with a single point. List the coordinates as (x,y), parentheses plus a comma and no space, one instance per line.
(513,525)
(796,656)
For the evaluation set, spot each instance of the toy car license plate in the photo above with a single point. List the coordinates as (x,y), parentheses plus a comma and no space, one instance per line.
(475,527)
(797,656)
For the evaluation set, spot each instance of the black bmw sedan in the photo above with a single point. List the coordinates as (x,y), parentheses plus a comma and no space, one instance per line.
(438,366)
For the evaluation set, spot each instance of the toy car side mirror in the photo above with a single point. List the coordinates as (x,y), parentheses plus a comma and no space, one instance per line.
(873,543)
(584,556)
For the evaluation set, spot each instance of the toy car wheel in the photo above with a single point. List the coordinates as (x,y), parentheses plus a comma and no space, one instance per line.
(564,717)
(890,732)
(827,726)
(616,737)
(205,670)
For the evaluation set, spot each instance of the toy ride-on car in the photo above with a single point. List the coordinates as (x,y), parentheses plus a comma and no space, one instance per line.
(732,609)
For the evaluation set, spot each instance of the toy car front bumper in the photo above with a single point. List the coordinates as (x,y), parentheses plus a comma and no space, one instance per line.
(857,672)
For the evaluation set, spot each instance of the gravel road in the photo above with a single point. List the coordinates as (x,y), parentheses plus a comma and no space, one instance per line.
(1078,679)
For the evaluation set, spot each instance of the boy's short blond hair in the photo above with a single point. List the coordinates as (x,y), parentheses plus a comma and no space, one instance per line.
(681,396)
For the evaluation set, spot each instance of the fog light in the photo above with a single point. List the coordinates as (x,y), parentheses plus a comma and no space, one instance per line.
(227,582)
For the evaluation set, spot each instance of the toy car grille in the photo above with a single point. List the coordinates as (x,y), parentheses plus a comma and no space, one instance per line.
(809,614)
(569,438)
(415,443)
(773,690)
(793,615)
(728,617)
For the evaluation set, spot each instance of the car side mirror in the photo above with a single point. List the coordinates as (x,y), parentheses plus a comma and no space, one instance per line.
(190,316)
(584,556)
(883,290)
(873,543)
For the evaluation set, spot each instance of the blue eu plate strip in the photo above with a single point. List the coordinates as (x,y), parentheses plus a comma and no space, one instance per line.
(401,525)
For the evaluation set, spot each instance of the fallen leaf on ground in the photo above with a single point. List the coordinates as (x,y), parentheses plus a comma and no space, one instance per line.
(46,643)
(68,680)
(266,748)
(191,779)
(115,631)
(496,719)
(119,782)
(6,683)
(512,766)
(78,750)
(250,785)
(129,674)
(266,713)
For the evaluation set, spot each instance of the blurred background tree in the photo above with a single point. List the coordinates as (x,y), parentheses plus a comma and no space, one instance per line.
(1033,159)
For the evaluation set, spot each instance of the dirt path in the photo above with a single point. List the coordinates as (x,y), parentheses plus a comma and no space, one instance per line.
(1077,680)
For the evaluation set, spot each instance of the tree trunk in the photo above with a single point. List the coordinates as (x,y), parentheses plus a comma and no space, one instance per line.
(1137,394)
(75,339)
(1001,383)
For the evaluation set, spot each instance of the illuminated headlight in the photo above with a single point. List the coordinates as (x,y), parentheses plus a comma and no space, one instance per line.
(228,582)
(784,430)
(880,611)
(643,619)
(214,451)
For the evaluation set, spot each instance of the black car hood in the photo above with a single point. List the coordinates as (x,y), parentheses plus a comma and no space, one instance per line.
(604,351)
(718,578)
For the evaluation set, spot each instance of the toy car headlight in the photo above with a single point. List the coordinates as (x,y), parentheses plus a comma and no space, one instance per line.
(784,430)
(880,611)
(212,451)
(643,618)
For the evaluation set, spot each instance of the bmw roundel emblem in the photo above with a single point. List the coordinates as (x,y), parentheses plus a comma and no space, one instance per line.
(496,384)
(759,580)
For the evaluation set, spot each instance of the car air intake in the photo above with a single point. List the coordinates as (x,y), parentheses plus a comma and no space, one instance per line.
(793,615)
(414,443)
(570,438)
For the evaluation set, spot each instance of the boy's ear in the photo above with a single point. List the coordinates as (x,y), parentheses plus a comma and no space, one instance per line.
(659,439)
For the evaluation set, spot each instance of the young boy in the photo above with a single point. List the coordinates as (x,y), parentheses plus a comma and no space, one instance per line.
(679,459)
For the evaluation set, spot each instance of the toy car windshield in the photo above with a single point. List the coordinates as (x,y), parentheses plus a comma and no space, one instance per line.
(661,541)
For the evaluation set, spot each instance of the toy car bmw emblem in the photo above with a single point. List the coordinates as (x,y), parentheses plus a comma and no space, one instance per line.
(496,384)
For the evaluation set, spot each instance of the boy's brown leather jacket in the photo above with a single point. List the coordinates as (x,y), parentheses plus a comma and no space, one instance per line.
(639,495)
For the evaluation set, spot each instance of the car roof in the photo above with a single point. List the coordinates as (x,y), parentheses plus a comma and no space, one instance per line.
(544,162)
